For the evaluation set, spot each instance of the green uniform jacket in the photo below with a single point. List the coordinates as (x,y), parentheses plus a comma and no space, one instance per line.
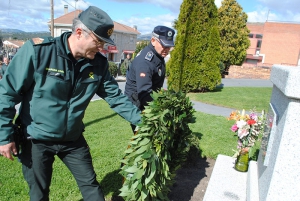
(53,101)
(3,69)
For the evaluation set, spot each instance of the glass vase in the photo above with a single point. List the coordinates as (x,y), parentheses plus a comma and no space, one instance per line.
(242,161)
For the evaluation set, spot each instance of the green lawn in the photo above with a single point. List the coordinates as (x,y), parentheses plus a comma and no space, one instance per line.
(237,97)
(108,135)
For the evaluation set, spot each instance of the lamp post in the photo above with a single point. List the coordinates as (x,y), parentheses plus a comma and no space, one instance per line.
(52,19)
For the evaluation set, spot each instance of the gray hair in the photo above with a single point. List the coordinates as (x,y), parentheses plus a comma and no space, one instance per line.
(78,24)
(155,35)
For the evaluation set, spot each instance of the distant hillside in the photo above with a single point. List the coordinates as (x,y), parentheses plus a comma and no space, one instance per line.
(22,35)
(6,34)
(11,31)
(144,37)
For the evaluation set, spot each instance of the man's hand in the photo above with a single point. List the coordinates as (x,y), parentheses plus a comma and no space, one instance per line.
(7,150)
(136,130)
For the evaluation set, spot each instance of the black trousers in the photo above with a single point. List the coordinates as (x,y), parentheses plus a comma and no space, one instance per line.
(37,160)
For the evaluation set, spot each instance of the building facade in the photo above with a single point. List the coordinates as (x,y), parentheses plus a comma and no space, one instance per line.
(270,43)
(125,37)
(274,43)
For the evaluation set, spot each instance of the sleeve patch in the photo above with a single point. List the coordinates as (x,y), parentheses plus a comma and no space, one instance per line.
(149,56)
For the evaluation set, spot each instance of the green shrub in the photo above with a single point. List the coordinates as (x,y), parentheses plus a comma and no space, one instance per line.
(123,69)
(113,68)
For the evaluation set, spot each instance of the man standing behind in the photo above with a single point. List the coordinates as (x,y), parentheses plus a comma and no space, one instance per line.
(55,79)
(4,66)
(147,71)
(127,62)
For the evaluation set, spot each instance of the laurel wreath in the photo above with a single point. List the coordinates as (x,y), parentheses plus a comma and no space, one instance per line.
(159,148)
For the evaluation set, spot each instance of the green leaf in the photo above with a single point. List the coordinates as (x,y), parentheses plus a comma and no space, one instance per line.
(144,193)
(132,169)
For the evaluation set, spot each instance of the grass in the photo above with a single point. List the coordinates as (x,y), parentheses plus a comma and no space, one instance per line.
(236,97)
(108,134)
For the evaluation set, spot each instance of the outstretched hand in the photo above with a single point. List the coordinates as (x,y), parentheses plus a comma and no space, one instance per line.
(8,150)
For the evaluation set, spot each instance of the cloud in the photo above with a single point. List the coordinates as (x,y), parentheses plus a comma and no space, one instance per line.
(218,3)
(282,6)
(146,25)
(26,18)
(257,16)
(34,17)
(264,13)
(173,5)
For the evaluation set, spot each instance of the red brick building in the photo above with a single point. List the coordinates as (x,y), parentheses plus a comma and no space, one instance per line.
(271,43)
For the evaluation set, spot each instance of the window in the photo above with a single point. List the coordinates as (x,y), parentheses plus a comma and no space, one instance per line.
(258,45)
(258,36)
(250,35)
(251,61)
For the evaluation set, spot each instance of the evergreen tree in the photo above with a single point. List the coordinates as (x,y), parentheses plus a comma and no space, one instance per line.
(233,33)
(139,47)
(194,62)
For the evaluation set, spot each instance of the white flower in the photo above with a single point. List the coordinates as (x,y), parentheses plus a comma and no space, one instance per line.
(241,123)
(242,132)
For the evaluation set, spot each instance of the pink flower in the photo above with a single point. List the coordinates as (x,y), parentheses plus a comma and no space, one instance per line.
(253,116)
(234,128)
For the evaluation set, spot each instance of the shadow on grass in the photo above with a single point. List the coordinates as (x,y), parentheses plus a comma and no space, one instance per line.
(186,181)
(220,86)
(112,182)
(190,174)
(100,119)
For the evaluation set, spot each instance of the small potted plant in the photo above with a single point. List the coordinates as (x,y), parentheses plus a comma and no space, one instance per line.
(247,127)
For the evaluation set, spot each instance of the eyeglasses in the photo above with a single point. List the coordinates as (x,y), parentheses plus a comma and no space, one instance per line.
(99,43)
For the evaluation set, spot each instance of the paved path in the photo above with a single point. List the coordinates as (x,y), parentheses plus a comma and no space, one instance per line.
(216,110)
(206,108)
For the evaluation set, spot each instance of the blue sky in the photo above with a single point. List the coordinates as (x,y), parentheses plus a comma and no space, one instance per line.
(33,15)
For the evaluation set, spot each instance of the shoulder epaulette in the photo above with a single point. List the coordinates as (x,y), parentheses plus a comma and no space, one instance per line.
(149,56)
(44,40)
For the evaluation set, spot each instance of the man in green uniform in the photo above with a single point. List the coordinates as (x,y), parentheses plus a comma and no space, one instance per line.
(54,80)
(127,62)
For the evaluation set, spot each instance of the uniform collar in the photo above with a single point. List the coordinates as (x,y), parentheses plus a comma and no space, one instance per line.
(154,51)
(68,52)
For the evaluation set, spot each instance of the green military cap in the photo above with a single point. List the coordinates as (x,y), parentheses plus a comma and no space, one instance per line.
(98,22)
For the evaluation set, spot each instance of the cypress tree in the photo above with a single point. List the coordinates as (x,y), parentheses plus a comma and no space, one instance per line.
(233,33)
(194,62)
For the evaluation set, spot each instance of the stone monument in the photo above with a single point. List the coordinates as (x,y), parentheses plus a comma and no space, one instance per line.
(278,163)
(276,174)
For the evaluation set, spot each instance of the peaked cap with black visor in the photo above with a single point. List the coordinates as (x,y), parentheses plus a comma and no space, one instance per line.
(165,35)
(98,22)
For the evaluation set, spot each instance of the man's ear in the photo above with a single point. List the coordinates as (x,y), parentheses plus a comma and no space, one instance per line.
(152,41)
(79,32)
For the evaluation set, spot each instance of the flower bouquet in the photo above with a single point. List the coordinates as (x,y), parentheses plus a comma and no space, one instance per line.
(247,128)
